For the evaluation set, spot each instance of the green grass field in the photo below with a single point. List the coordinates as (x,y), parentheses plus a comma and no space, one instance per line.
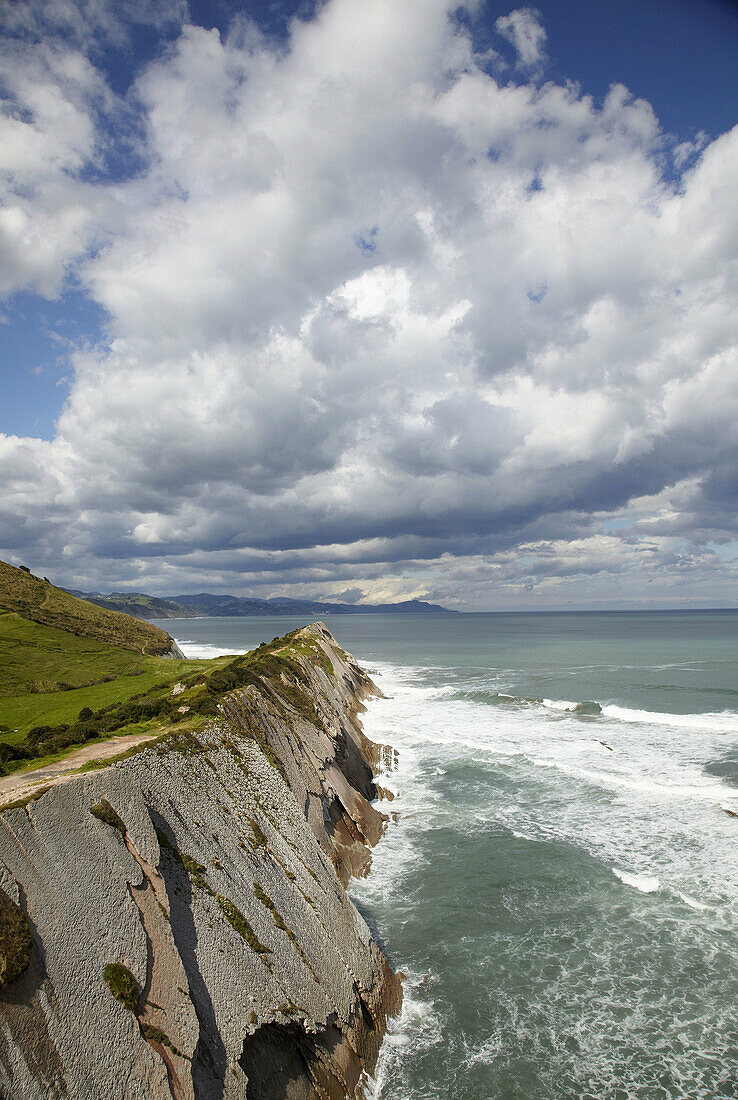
(41,658)
(47,676)
(20,713)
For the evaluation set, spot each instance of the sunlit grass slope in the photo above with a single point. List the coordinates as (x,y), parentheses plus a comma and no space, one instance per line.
(44,603)
(48,676)
(72,673)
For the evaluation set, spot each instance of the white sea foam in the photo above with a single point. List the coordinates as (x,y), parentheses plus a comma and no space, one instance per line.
(717,722)
(647,884)
(418,1027)
(486,1052)
(204,650)
(648,799)
(541,776)
(559,704)
(690,901)
(721,722)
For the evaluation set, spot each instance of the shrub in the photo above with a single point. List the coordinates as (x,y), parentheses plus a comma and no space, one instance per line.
(34,735)
(222,680)
(83,731)
(15,940)
(204,704)
(122,984)
(11,752)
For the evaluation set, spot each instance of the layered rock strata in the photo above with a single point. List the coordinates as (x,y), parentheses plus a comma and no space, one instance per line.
(191,934)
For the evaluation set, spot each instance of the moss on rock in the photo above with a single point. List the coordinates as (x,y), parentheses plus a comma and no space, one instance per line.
(122,985)
(237,920)
(103,811)
(260,838)
(15,941)
(154,1034)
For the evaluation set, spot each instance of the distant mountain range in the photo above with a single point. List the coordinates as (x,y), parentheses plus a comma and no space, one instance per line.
(142,606)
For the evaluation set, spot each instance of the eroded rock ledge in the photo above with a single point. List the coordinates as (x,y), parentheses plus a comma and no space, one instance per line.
(192,937)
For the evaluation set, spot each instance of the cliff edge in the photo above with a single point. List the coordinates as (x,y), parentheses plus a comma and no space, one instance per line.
(178,923)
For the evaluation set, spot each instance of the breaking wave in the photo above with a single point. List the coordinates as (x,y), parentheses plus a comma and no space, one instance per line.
(717,721)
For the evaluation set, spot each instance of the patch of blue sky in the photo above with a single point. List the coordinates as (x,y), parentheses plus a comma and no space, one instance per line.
(144,43)
(367,242)
(726,551)
(680,55)
(273,17)
(610,525)
(122,155)
(37,339)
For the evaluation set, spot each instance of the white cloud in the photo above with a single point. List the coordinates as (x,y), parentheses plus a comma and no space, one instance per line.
(375,320)
(524,30)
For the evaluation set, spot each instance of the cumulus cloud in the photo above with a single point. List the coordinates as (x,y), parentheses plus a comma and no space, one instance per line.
(375,321)
(524,30)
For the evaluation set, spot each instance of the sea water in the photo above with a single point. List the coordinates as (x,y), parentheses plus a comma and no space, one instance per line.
(558,879)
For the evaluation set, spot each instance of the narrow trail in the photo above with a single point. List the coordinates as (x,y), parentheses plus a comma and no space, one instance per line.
(23,784)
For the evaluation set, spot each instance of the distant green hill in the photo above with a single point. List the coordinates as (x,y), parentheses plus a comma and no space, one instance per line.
(42,602)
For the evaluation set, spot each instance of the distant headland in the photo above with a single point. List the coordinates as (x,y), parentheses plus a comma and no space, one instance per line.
(204,604)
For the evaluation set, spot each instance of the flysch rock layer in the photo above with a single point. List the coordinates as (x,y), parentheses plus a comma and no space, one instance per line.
(222,892)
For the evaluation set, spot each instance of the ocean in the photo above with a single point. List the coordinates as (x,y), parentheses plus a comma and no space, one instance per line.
(558,881)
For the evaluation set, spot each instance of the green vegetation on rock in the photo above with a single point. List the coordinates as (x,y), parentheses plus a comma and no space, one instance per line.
(15,941)
(267,902)
(122,985)
(154,1034)
(194,869)
(238,921)
(21,803)
(103,811)
(260,838)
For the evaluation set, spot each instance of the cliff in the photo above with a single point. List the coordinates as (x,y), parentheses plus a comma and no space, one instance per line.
(190,934)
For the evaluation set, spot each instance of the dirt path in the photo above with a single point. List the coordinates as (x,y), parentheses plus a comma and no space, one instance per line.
(22,784)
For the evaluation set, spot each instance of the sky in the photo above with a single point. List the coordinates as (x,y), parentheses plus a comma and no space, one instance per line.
(372,300)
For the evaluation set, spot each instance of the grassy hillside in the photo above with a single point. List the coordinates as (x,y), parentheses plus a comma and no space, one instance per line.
(40,601)
(71,673)
(140,605)
(41,727)
(47,676)
(59,691)
(37,659)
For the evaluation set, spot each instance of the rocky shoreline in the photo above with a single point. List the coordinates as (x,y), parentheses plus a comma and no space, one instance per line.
(191,936)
